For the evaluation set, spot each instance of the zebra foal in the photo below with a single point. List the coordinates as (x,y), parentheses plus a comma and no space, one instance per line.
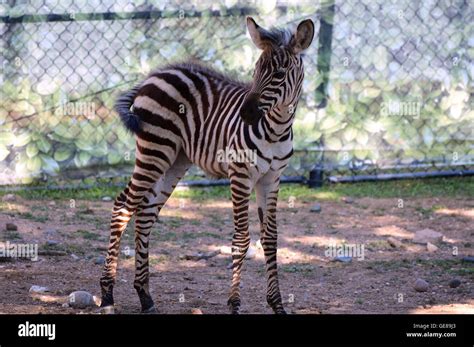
(188,114)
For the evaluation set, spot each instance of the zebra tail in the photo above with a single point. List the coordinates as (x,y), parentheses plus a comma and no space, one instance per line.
(123,104)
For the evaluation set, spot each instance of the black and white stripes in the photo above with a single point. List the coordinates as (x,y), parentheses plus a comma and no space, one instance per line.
(188,114)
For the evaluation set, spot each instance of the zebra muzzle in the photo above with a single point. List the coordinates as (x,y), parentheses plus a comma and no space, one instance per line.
(250,111)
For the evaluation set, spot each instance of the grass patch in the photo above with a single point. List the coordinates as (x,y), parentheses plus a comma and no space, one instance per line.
(11,235)
(34,217)
(304,269)
(433,187)
(88,235)
(155,260)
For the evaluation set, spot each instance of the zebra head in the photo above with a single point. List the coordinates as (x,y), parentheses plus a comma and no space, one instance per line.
(278,73)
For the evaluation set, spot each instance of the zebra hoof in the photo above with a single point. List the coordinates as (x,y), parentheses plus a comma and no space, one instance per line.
(234,305)
(279,310)
(150,310)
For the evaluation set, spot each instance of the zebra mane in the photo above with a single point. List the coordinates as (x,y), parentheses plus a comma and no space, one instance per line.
(277,36)
(197,65)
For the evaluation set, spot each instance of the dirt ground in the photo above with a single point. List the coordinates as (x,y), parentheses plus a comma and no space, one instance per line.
(311,282)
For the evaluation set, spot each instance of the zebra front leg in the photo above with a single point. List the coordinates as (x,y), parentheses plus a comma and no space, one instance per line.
(267,195)
(241,188)
(146,217)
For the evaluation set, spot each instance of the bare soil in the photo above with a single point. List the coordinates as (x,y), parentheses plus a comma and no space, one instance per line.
(311,282)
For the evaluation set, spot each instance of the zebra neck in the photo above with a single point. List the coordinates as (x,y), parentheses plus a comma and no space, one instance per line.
(277,123)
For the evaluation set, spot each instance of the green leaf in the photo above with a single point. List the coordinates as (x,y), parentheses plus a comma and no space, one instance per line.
(350,133)
(82,159)
(84,145)
(34,164)
(22,139)
(50,166)
(31,150)
(3,152)
(7,138)
(62,154)
(114,158)
(43,145)
(333,144)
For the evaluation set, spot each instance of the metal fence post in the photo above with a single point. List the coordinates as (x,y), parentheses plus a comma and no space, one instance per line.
(316,175)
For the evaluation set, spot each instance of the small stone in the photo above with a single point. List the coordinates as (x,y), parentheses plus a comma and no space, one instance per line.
(196,311)
(454,283)
(431,248)
(50,232)
(100,260)
(316,208)
(38,289)
(106,198)
(81,299)
(347,199)
(52,203)
(9,198)
(421,285)
(74,257)
(427,235)
(52,242)
(343,259)
(394,242)
(226,250)
(128,252)
(199,256)
(251,252)
(11,227)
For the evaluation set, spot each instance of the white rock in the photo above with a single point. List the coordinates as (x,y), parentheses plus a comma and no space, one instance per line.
(128,252)
(251,252)
(81,299)
(431,248)
(38,289)
(226,250)
(427,235)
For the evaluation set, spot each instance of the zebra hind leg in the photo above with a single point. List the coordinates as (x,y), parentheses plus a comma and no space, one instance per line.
(148,170)
(146,216)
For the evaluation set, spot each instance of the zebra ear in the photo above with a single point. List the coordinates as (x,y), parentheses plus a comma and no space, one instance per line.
(302,37)
(256,33)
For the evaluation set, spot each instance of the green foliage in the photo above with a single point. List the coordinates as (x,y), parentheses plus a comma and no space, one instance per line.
(381,109)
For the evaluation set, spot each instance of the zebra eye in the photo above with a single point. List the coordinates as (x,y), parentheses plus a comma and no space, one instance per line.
(279,74)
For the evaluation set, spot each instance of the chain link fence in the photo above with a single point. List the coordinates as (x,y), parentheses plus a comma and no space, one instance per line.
(388,85)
